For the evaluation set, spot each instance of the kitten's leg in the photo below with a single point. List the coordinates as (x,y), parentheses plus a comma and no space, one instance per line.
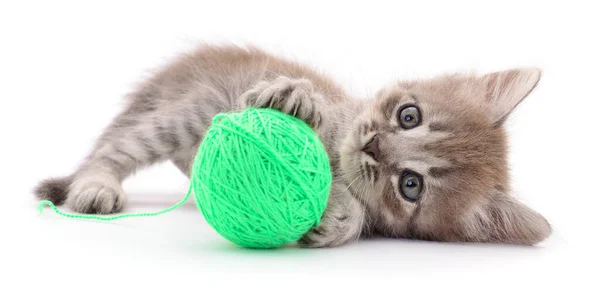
(344,221)
(344,217)
(129,143)
(133,140)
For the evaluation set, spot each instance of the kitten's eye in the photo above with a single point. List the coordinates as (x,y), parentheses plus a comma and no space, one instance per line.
(411,186)
(409,117)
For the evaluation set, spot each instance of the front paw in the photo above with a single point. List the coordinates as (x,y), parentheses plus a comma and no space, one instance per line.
(295,97)
(343,221)
(334,231)
(96,195)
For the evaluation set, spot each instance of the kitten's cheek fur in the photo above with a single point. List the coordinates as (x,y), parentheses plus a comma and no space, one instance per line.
(347,164)
(348,157)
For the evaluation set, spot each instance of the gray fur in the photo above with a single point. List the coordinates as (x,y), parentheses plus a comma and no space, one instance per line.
(54,189)
(167,116)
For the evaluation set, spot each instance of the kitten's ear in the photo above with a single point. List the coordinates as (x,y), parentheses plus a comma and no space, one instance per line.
(509,221)
(504,90)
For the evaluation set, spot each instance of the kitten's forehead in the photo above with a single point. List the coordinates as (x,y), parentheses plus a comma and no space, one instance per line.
(450,128)
(411,148)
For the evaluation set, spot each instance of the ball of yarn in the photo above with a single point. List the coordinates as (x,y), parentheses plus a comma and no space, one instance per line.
(261,178)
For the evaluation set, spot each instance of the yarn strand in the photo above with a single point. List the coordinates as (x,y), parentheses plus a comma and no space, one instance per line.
(115,217)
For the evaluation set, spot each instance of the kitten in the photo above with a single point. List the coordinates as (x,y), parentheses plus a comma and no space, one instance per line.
(422,159)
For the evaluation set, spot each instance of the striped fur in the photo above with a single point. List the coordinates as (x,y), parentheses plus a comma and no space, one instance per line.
(459,148)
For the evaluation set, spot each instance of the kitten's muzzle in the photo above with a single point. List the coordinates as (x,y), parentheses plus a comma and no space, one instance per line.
(372,148)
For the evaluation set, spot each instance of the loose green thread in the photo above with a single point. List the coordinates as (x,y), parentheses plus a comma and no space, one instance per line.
(115,217)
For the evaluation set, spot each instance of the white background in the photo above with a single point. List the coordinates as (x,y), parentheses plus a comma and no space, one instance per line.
(64,67)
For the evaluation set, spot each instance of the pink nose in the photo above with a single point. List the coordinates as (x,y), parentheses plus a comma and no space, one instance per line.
(372,148)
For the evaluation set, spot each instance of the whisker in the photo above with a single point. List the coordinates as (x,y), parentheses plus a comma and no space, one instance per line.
(352,172)
(348,188)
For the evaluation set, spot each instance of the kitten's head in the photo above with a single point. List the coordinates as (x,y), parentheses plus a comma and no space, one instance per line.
(429,159)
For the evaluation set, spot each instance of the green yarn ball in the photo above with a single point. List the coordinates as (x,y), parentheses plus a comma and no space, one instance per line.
(261,178)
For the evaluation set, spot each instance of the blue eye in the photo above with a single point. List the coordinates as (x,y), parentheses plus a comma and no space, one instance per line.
(409,117)
(411,186)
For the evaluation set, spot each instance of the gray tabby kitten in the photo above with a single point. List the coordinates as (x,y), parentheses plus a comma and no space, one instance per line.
(421,159)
